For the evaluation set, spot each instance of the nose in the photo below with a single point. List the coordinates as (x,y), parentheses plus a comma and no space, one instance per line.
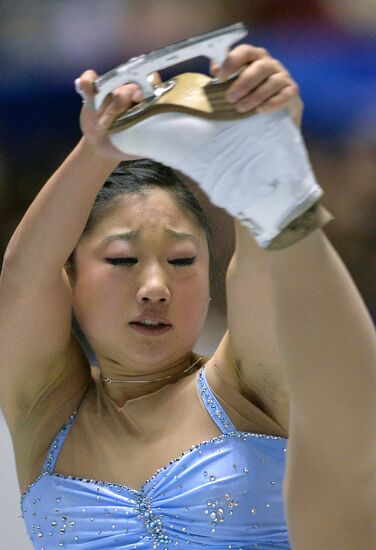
(154,288)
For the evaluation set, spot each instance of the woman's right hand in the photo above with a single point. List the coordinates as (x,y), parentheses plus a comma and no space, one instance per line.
(95,123)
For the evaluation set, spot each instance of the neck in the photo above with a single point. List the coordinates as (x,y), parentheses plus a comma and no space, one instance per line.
(125,387)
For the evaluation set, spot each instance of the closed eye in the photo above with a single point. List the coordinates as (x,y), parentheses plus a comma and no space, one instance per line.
(183,261)
(122,261)
(133,261)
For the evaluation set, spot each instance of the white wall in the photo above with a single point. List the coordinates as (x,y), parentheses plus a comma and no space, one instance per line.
(12,530)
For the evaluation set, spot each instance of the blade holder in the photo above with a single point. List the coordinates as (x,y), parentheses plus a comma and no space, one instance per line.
(213,45)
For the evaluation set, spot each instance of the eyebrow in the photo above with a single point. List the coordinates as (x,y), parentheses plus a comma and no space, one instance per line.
(133,235)
(124,236)
(180,235)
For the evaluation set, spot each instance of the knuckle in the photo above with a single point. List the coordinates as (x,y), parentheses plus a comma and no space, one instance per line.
(265,67)
(275,78)
(245,48)
(127,89)
(241,50)
(277,100)
(245,105)
(295,88)
(242,89)
(258,96)
(290,91)
(283,95)
(278,80)
(282,77)
(276,69)
(133,87)
(120,97)
(115,97)
(255,70)
(263,52)
(286,96)
(240,55)
(278,66)
(271,63)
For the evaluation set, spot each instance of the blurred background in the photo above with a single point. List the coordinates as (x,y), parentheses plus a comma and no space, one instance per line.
(328,45)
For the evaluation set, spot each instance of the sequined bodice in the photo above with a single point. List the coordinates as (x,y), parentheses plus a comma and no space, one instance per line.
(223,493)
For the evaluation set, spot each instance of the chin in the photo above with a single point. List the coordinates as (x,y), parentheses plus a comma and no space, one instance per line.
(157,353)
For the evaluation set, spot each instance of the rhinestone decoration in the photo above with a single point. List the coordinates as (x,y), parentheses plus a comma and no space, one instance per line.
(215,512)
(152,522)
(218,414)
(169,508)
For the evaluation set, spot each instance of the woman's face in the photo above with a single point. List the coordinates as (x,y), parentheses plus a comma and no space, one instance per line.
(146,260)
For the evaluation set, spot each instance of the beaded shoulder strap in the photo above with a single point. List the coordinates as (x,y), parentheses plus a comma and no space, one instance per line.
(57,443)
(55,447)
(212,405)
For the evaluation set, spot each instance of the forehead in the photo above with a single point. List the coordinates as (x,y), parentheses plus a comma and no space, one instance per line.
(155,210)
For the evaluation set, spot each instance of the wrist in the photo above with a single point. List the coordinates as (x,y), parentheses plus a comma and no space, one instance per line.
(103,152)
(92,155)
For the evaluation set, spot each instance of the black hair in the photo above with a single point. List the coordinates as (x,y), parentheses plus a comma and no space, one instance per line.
(140,177)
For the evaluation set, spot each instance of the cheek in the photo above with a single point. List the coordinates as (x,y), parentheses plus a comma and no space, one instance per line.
(97,293)
(193,297)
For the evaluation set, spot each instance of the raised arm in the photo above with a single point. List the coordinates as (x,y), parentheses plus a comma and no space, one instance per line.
(253,336)
(322,350)
(328,348)
(314,339)
(266,87)
(38,355)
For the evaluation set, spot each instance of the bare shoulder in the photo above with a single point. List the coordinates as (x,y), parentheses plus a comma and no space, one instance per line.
(255,384)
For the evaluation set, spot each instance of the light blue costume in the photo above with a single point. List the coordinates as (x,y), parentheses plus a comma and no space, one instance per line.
(223,493)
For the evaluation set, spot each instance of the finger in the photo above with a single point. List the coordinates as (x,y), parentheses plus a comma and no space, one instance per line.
(86,83)
(121,99)
(239,56)
(214,68)
(278,101)
(270,87)
(138,95)
(295,108)
(155,79)
(252,77)
(116,103)
(125,90)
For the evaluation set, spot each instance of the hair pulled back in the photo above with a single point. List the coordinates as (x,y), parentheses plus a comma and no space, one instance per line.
(139,177)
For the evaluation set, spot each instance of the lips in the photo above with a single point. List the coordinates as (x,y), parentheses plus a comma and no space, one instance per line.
(150,330)
(149,324)
(150,319)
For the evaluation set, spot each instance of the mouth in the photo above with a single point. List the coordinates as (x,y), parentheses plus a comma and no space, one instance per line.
(150,328)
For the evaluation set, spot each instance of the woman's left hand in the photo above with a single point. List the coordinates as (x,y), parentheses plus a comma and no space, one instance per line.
(264,85)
